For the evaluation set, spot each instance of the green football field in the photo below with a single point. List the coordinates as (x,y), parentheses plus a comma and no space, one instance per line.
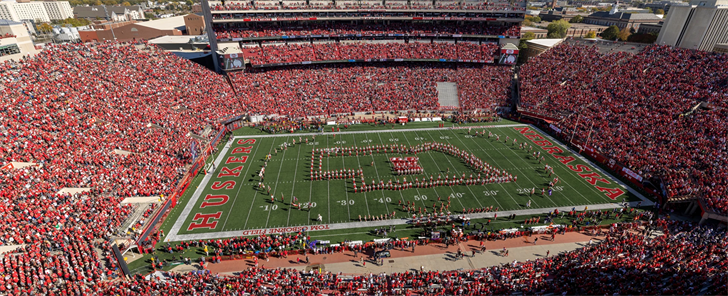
(229,202)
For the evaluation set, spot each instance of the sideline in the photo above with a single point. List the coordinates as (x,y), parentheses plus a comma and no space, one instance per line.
(380,131)
(174,235)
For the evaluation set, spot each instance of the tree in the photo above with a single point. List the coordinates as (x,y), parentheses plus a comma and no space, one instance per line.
(577,19)
(660,11)
(73,22)
(623,34)
(526,36)
(126,3)
(611,33)
(591,34)
(529,20)
(523,45)
(649,9)
(45,28)
(558,29)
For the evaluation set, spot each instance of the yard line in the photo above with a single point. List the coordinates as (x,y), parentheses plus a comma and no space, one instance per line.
(471,172)
(365,194)
(526,175)
(276,190)
(376,171)
(572,187)
(346,191)
(232,206)
(328,187)
(252,202)
(451,189)
(293,186)
(310,189)
(416,188)
(401,196)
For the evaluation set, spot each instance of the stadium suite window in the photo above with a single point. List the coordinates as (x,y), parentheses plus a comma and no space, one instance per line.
(9,49)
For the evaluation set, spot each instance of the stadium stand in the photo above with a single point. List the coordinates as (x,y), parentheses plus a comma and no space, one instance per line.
(500,5)
(70,107)
(640,108)
(684,260)
(363,29)
(301,52)
(346,88)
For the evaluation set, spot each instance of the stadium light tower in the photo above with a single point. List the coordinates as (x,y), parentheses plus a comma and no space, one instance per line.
(210,33)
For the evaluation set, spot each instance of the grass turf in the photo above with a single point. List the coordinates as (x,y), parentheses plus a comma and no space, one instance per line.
(248,208)
(287,173)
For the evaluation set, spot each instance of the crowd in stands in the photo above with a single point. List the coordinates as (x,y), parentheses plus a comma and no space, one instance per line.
(638,109)
(299,5)
(71,109)
(317,28)
(67,267)
(301,52)
(302,91)
(684,259)
(115,118)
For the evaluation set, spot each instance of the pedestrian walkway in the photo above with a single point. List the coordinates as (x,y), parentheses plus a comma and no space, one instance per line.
(434,256)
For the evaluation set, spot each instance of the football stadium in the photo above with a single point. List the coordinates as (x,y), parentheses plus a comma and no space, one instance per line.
(364,148)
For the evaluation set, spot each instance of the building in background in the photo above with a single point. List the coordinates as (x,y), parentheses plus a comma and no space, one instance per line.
(15,40)
(66,34)
(195,24)
(576,30)
(621,19)
(650,29)
(7,12)
(112,13)
(134,12)
(37,11)
(58,10)
(24,10)
(664,5)
(700,25)
(721,47)
(133,30)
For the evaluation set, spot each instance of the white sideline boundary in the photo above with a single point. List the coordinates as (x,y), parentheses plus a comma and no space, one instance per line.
(174,235)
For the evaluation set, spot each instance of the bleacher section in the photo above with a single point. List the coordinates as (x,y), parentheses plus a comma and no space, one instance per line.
(329,51)
(628,107)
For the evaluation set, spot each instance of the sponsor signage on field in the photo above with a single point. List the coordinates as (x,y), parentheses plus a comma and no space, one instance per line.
(281,230)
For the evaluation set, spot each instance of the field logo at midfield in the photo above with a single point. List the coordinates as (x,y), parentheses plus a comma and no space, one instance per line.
(583,171)
(232,168)
(482,173)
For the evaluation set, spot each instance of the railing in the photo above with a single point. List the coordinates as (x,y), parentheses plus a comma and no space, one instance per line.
(171,201)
